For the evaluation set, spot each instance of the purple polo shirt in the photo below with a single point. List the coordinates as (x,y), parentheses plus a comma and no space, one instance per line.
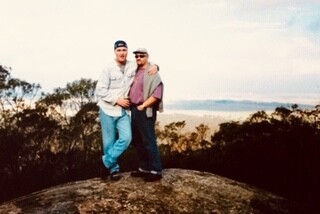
(136,91)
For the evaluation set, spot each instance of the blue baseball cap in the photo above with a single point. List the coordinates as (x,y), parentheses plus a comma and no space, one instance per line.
(120,43)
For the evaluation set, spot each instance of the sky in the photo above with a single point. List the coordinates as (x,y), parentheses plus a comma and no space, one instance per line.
(207,49)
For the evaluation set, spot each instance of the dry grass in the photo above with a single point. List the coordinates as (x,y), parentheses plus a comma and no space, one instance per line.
(193,119)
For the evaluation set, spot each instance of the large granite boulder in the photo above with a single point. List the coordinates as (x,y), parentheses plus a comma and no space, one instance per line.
(180,191)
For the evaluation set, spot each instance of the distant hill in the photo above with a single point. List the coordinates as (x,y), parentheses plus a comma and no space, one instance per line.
(229,105)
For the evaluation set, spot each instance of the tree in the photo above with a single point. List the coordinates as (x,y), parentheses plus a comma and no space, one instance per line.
(81,92)
(279,152)
(15,95)
(66,102)
(4,76)
(56,104)
(20,94)
(171,134)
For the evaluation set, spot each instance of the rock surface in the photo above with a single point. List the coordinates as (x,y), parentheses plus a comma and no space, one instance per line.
(180,191)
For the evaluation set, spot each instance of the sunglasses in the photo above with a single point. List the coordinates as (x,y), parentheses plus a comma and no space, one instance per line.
(139,56)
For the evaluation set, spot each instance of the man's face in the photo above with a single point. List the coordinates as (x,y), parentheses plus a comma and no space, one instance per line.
(121,54)
(141,59)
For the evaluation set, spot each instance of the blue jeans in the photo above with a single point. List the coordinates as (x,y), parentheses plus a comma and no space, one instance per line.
(145,141)
(116,137)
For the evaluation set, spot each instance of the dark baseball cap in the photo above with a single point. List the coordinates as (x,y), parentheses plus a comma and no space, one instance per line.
(120,43)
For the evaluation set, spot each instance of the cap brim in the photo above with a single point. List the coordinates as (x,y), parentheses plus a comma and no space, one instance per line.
(135,52)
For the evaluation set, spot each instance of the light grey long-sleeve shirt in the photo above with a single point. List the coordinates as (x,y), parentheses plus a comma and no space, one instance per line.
(114,83)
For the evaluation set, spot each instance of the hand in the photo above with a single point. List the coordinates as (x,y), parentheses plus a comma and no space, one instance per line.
(125,103)
(140,107)
(153,69)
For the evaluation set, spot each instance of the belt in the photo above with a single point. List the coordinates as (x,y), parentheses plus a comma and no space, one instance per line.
(136,104)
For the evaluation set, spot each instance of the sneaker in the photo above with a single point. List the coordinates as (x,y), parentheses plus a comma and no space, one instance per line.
(104,172)
(115,176)
(152,177)
(139,174)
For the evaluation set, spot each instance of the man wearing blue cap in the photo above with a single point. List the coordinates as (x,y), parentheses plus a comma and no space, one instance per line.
(112,93)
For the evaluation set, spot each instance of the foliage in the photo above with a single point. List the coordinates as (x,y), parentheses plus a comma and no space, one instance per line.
(4,76)
(173,139)
(279,152)
(38,137)
(47,139)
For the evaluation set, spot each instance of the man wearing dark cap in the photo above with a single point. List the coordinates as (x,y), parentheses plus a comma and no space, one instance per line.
(112,93)
(146,99)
